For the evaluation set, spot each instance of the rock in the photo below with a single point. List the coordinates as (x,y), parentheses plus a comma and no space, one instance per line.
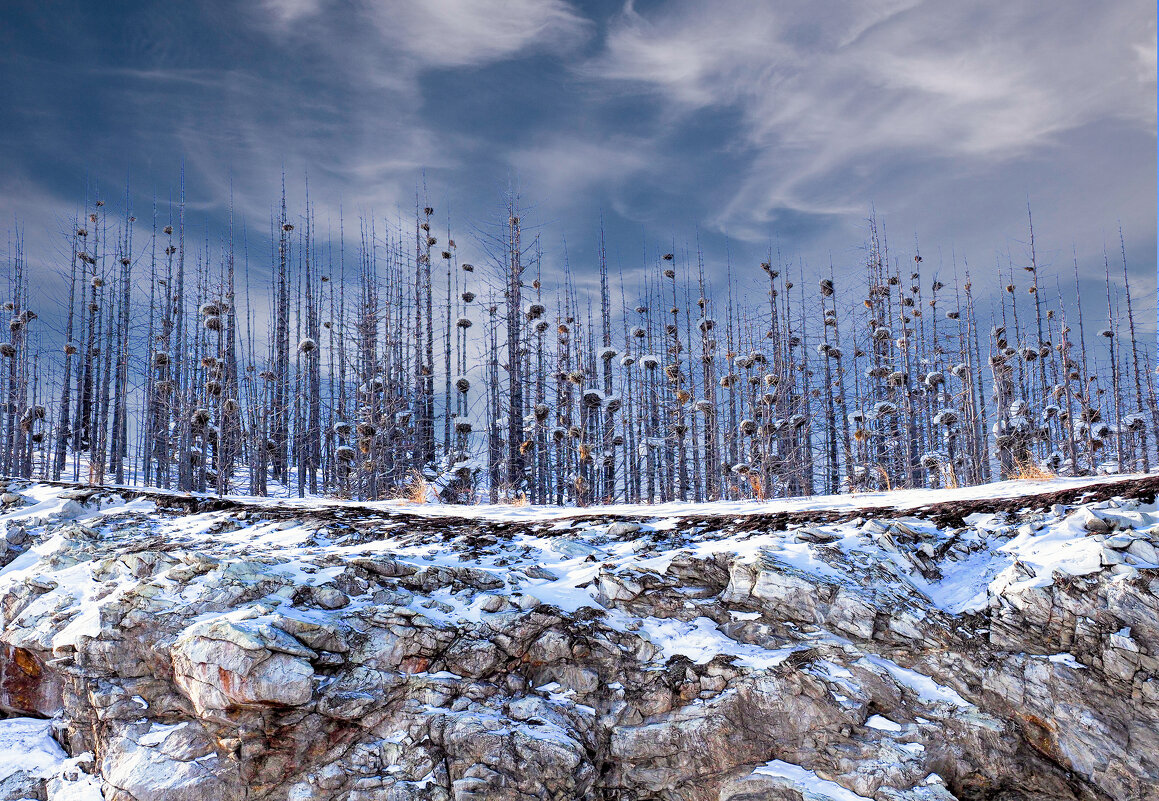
(16,535)
(219,665)
(200,560)
(70,510)
(575,550)
(384,566)
(540,572)
(1122,640)
(815,534)
(525,601)
(492,603)
(1092,522)
(1120,663)
(28,686)
(169,763)
(1144,551)
(722,660)
(613,588)
(329,597)
(622,528)
(478,783)
(22,784)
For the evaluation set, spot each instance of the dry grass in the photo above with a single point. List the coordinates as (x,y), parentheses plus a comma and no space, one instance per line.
(884,477)
(949,477)
(509,496)
(415,490)
(757,487)
(1029,471)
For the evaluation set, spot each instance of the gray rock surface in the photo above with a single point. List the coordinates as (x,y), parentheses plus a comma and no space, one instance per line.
(229,655)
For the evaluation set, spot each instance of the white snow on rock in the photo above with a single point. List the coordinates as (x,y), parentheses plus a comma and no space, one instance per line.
(26,744)
(882,724)
(27,747)
(807,782)
(264,600)
(926,689)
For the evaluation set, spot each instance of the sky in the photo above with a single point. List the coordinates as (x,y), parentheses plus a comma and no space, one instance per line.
(744,126)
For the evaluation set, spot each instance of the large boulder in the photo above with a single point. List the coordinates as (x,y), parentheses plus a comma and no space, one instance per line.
(222,664)
(174,762)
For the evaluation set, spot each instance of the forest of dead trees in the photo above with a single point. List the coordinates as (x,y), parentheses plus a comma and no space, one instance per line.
(375,364)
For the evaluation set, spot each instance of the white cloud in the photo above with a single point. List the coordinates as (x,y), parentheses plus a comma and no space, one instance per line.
(839,93)
(285,12)
(442,33)
(562,167)
(375,52)
(454,33)
(1146,52)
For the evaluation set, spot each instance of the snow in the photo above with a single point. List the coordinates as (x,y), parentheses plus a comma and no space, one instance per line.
(75,787)
(927,690)
(1068,660)
(26,744)
(882,724)
(158,733)
(848,502)
(700,640)
(807,781)
(1063,547)
(49,502)
(964,588)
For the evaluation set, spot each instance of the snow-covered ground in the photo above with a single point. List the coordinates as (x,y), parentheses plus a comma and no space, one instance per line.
(900,499)
(28,750)
(559,561)
(568,553)
(845,502)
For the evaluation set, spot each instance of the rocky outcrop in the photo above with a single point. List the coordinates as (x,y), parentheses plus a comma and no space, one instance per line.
(343,652)
(222,664)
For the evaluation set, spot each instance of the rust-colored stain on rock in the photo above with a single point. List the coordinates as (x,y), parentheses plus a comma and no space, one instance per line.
(25,686)
(414,664)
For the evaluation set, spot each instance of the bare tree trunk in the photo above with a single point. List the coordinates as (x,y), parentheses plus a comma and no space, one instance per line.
(63,432)
(515,466)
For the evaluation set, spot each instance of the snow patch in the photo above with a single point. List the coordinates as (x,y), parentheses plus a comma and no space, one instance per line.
(807,781)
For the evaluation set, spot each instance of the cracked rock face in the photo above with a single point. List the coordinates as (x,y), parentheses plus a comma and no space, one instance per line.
(990,650)
(220,668)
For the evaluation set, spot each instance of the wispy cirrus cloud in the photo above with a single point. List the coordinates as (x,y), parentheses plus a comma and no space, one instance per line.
(836,98)
(443,33)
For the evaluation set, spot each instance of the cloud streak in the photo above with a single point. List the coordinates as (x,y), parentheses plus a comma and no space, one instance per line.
(847,93)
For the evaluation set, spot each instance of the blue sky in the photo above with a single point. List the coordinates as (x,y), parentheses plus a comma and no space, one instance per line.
(751,125)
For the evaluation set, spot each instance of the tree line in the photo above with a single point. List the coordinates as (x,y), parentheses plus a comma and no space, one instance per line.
(379,365)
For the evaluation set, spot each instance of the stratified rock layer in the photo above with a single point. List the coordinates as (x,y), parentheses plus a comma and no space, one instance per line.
(990,650)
